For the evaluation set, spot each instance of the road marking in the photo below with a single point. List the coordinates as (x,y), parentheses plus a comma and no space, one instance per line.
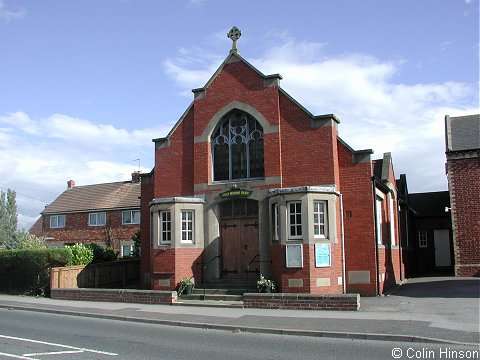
(54,344)
(17,356)
(56,353)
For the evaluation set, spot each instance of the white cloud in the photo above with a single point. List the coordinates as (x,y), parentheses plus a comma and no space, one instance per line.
(6,14)
(375,110)
(195,3)
(39,156)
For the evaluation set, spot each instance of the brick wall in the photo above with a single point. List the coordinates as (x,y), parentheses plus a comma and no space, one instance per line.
(174,176)
(464,183)
(170,265)
(314,280)
(116,295)
(342,302)
(359,219)
(308,155)
(236,82)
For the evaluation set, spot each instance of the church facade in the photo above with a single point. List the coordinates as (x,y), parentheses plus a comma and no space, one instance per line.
(249,182)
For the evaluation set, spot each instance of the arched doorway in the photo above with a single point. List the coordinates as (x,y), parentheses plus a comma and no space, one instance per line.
(239,239)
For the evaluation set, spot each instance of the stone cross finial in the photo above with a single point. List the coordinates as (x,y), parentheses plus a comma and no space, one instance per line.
(234,34)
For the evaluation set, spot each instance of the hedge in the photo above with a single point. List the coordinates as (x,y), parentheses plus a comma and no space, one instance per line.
(28,271)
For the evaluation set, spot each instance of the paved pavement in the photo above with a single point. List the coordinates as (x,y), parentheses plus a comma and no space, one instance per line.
(439,310)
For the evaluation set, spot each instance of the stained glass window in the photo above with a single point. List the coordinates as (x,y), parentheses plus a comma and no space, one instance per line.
(237,147)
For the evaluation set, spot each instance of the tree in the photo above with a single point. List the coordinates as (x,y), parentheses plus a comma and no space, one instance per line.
(136,245)
(24,240)
(8,218)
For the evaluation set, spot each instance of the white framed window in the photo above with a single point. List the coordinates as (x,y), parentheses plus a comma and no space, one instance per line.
(187,222)
(422,238)
(97,219)
(165,226)
(392,220)
(57,221)
(127,250)
(319,219)
(295,220)
(130,217)
(379,221)
(276,222)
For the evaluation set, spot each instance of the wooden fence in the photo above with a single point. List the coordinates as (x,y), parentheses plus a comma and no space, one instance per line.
(116,274)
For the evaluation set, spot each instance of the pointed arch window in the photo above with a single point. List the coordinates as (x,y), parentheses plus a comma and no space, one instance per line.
(237,147)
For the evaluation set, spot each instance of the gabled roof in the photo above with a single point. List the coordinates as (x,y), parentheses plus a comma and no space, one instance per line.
(462,133)
(117,195)
(234,56)
(431,204)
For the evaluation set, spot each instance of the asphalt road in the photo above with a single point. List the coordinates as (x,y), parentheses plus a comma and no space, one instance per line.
(30,335)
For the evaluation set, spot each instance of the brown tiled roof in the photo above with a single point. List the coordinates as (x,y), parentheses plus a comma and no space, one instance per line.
(117,195)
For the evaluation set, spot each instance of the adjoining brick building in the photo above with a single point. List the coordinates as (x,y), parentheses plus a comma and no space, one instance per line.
(249,182)
(106,214)
(462,135)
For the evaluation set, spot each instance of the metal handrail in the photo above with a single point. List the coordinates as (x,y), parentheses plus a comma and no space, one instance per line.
(204,267)
(253,260)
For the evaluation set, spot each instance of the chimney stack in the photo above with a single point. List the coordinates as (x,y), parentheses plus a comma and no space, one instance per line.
(136,177)
(70,184)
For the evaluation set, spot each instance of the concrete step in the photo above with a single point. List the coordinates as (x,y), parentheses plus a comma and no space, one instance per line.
(212,297)
(209,303)
(231,284)
(222,291)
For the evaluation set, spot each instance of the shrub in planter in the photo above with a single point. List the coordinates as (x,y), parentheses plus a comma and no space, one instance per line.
(185,286)
(265,285)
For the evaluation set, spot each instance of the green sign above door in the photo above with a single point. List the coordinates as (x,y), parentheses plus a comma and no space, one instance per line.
(236,193)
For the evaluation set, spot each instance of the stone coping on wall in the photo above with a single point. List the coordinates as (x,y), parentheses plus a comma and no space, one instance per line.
(116,295)
(295,301)
(290,301)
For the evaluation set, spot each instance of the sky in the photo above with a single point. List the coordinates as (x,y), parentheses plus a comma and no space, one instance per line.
(85,85)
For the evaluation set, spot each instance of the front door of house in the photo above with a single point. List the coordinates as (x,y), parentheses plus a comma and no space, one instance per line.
(239,239)
(441,239)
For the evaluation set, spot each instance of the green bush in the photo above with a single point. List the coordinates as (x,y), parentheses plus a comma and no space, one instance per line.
(28,271)
(102,254)
(81,255)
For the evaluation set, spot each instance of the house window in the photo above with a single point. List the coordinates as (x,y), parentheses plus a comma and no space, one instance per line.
(319,218)
(392,220)
(379,221)
(237,147)
(131,217)
(57,221)
(165,227)
(187,226)
(295,220)
(276,222)
(127,250)
(97,219)
(422,238)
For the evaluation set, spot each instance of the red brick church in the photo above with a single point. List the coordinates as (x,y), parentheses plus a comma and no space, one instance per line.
(249,182)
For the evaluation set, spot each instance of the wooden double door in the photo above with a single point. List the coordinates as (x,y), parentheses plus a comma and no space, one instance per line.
(239,240)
